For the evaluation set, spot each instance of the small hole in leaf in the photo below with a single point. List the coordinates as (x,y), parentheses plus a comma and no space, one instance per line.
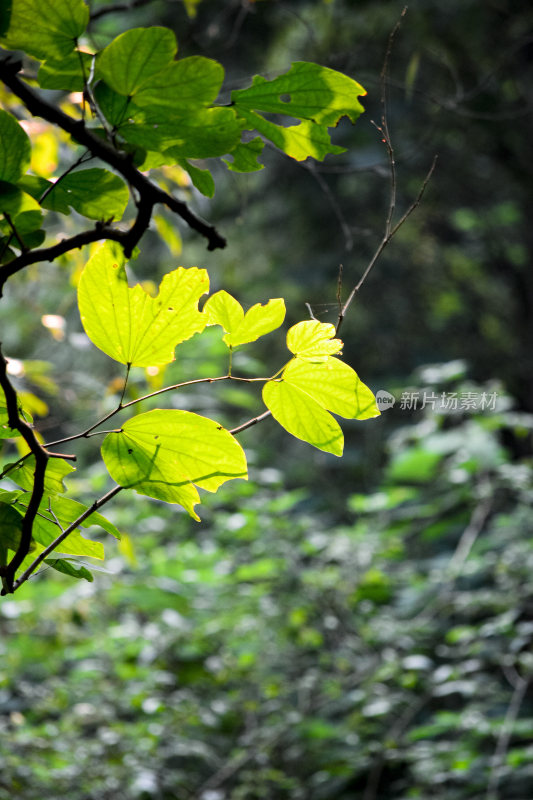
(285,98)
(156,437)
(130,451)
(170,308)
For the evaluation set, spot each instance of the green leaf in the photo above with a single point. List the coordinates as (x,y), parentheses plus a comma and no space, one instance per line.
(69,74)
(166,454)
(10,497)
(15,148)
(298,141)
(45,530)
(134,56)
(56,470)
(94,193)
(306,91)
(115,107)
(67,510)
(24,212)
(313,340)
(189,83)
(316,95)
(45,29)
(68,567)
(36,186)
(128,324)
(222,309)
(201,178)
(303,417)
(10,527)
(206,133)
(334,385)
(245,156)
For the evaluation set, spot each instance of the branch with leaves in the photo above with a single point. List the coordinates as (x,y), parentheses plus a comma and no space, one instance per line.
(130,121)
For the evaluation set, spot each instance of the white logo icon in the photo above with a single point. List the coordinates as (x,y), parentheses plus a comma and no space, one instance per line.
(384,400)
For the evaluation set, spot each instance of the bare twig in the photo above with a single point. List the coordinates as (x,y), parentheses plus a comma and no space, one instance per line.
(388,235)
(383,128)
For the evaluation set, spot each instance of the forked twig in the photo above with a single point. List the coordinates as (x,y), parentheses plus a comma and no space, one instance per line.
(383,128)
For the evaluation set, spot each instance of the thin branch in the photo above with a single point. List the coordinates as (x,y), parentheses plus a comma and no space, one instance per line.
(121,406)
(250,422)
(14,233)
(387,236)
(16,422)
(55,544)
(335,207)
(383,129)
(128,239)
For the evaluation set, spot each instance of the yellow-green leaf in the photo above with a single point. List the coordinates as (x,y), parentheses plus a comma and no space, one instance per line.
(128,324)
(222,309)
(303,417)
(56,470)
(167,454)
(334,385)
(313,340)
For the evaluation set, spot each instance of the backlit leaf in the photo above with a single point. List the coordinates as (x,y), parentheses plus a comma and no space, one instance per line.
(45,530)
(334,385)
(222,309)
(45,29)
(128,324)
(318,96)
(134,56)
(167,454)
(56,470)
(313,340)
(303,417)
(306,91)
(298,141)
